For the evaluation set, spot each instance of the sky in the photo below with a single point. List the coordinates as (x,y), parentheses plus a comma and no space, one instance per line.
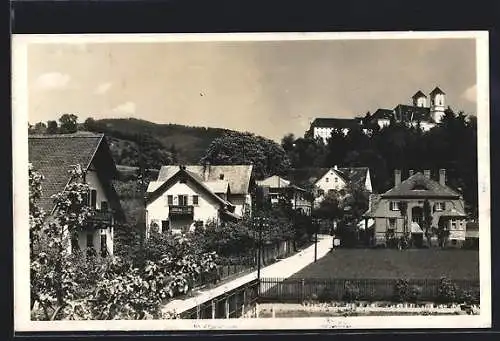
(270,88)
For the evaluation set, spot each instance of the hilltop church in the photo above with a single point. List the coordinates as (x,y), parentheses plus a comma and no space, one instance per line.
(421,111)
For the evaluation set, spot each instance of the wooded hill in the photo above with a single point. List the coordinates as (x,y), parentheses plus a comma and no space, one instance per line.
(160,144)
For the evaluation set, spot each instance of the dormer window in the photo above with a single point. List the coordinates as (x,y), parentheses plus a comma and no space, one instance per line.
(221,176)
(419,187)
(440,206)
(394,206)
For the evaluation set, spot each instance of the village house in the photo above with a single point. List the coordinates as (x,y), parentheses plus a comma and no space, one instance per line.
(184,197)
(325,180)
(445,205)
(278,188)
(53,156)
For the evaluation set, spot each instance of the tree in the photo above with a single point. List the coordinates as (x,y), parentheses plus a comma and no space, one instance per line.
(268,157)
(427,222)
(52,127)
(68,123)
(90,124)
(403,209)
(53,275)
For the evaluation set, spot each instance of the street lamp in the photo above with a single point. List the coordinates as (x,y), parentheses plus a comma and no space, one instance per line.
(261,223)
(316,227)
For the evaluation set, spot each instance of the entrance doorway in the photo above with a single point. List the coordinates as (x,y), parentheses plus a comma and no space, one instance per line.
(417,215)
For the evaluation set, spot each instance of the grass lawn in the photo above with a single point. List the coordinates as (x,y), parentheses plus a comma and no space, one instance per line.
(389,264)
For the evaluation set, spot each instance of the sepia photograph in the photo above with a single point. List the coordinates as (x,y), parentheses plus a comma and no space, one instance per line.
(251,181)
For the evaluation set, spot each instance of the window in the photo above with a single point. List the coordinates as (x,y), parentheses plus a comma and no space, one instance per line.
(182,200)
(93,198)
(453,225)
(440,206)
(326,179)
(195,200)
(170,199)
(394,206)
(165,225)
(392,223)
(104,205)
(335,180)
(104,248)
(321,192)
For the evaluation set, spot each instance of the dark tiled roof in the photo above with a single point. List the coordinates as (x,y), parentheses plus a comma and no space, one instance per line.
(437,90)
(305,176)
(339,123)
(383,114)
(419,94)
(431,188)
(355,175)
(238,176)
(53,156)
(409,113)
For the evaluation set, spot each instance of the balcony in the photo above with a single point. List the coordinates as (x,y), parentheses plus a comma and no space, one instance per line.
(178,210)
(100,218)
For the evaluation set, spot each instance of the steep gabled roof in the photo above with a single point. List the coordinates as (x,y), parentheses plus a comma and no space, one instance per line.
(419,94)
(238,176)
(274,181)
(159,187)
(436,91)
(355,175)
(339,123)
(420,186)
(54,155)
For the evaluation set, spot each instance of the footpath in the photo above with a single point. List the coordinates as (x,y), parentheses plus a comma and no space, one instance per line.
(281,269)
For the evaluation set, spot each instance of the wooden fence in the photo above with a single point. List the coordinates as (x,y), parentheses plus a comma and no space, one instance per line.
(237,303)
(300,290)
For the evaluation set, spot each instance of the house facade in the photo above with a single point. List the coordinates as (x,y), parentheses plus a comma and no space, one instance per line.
(184,197)
(322,128)
(53,156)
(402,209)
(325,180)
(278,188)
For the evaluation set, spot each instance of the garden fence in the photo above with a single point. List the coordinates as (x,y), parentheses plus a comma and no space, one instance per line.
(275,290)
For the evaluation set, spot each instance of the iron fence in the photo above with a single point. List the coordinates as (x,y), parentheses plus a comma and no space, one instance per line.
(326,290)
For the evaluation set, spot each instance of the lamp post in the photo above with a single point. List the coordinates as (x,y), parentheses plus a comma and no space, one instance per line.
(316,226)
(261,223)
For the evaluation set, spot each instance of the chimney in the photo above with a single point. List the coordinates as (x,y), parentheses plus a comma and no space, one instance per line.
(410,172)
(335,167)
(427,173)
(397,177)
(206,171)
(442,177)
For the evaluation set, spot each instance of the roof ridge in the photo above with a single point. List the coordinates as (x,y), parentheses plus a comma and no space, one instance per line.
(50,136)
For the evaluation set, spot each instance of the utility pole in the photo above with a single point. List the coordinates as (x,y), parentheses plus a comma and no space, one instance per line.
(316,243)
(259,246)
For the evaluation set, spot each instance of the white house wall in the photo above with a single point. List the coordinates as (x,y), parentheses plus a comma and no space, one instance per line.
(368,182)
(330,181)
(206,210)
(93,181)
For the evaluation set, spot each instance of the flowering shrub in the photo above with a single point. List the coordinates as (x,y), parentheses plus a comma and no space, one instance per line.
(447,292)
(67,285)
(404,292)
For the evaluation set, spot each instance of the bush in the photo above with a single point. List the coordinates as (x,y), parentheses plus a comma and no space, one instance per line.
(470,296)
(447,292)
(351,292)
(404,292)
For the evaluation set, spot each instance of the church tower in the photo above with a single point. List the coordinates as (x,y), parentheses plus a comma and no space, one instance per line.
(437,104)
(419,99)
